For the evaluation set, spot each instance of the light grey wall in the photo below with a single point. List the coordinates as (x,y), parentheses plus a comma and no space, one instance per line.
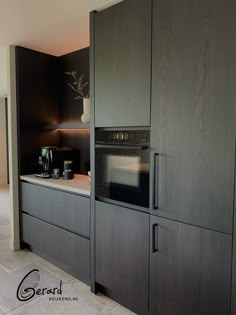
(3,70)
(13,153)
(3,143)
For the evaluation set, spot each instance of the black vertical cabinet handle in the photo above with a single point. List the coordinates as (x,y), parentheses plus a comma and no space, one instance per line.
(156,180)
(154,238)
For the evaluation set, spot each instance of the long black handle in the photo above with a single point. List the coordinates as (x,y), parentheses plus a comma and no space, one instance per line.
(121,146)
(156,181)
(154,238)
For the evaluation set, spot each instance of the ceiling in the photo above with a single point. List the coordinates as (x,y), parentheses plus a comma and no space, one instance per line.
(52,26)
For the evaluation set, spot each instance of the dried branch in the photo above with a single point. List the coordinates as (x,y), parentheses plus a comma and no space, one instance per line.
(77,85)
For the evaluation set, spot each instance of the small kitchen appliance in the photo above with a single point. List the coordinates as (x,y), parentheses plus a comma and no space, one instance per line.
(52,157)
(68,170)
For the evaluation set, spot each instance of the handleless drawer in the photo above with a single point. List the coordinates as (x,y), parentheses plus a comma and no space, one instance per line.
(69,251)
(66,210)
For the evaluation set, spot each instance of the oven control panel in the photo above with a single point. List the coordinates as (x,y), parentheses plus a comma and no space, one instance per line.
(122,137)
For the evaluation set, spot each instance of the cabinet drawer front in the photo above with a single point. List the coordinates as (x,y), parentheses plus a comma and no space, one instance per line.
(68,249)
(65,210)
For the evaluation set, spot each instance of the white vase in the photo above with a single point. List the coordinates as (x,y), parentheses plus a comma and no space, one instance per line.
(85,118)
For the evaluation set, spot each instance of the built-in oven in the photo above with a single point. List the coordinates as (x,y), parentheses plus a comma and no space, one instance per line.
(122,159)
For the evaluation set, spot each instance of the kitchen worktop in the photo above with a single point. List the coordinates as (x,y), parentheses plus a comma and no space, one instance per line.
(80,183)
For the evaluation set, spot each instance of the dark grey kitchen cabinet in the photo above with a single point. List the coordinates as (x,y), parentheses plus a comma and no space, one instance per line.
(194,111)
(233,293)
(66,210)
(67,250)
(122,254)
(190,269)
(123,64)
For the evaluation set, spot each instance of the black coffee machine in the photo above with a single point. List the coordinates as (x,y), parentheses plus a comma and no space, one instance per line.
(52,157)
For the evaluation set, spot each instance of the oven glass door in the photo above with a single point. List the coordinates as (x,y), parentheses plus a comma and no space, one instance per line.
(122,174)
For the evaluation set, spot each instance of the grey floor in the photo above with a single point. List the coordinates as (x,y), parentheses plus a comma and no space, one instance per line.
(15,265)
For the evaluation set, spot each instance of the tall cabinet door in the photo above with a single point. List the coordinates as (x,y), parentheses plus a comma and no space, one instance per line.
(233,293)
(190,269)
(194,111)
(122,255)
(123,64)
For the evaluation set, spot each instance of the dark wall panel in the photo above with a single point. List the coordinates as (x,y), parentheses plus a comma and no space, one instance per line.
(44,97)
(37,75)
(71,109)
(37,104)
(31,140)
(80,140)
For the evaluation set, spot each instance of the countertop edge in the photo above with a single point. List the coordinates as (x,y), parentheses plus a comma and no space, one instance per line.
(59,186)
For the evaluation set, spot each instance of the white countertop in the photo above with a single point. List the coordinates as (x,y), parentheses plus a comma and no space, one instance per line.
(79,185)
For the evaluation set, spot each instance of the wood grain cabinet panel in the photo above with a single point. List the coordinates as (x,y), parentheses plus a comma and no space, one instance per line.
(122,254)
(233,296)
(190,270)
(65,210)
(194,110)
(123,64)
(71,252)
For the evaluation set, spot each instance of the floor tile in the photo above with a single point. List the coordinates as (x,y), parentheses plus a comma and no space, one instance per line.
(4,221)
(65,277)
(120,310)
(13,260)
(80,285)
(2,271)
(4,231)
(9,283)
(83,306)
(98,298)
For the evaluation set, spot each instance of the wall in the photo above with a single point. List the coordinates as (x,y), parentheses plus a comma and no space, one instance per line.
(37,104)
(3,143)
(3,71)
(13,151)
(46,98)
(71,109)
